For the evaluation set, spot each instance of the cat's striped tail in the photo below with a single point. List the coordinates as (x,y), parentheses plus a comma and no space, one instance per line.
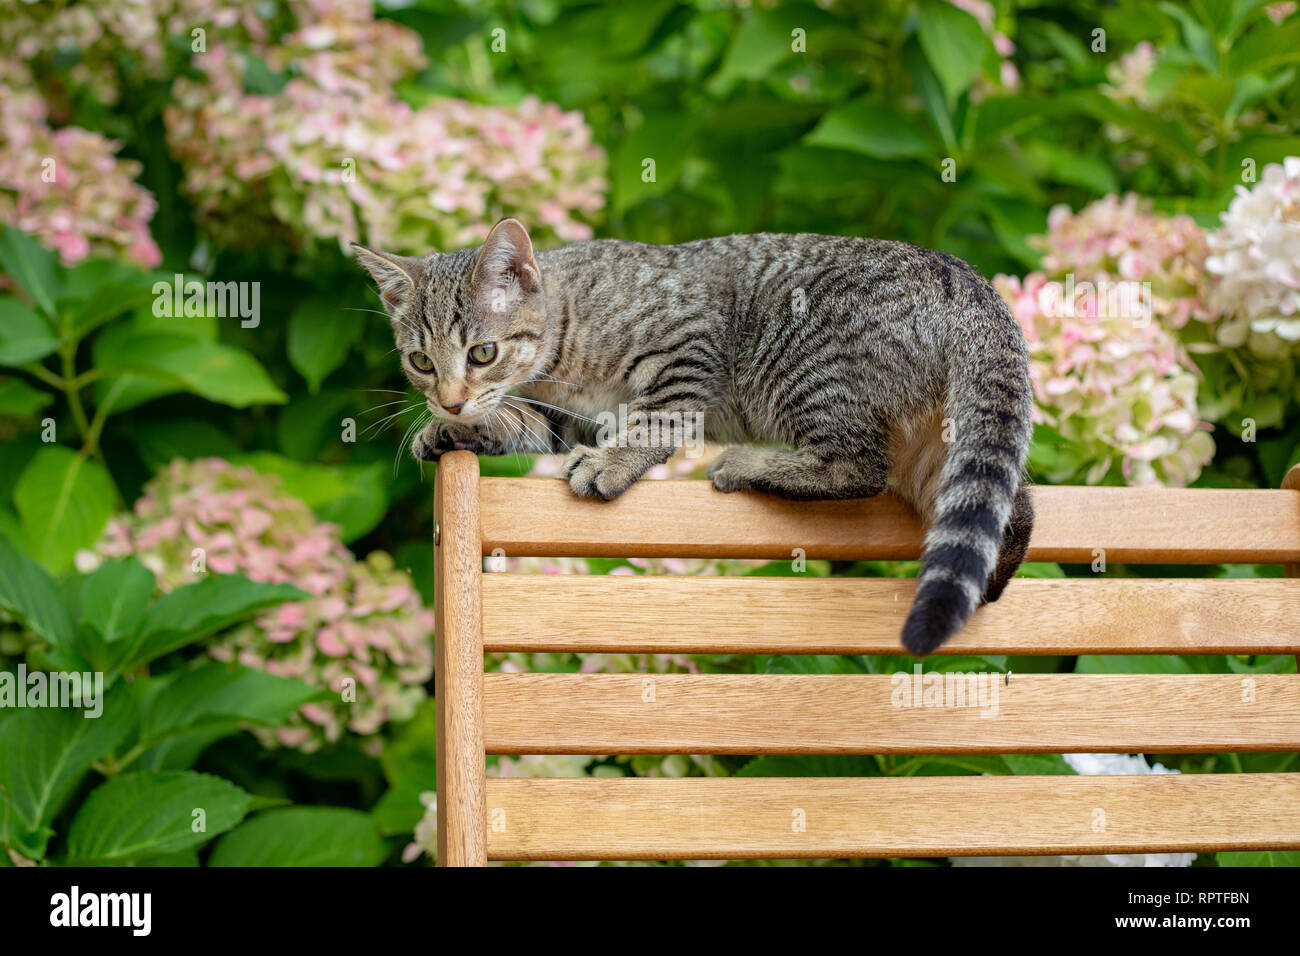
(990,402)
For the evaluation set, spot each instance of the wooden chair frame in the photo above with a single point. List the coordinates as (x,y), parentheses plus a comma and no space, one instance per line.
(737,817)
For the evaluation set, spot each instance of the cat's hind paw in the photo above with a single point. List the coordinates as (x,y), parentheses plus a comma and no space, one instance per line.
(731,470)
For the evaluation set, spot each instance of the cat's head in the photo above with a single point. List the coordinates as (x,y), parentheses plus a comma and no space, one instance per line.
(469,325)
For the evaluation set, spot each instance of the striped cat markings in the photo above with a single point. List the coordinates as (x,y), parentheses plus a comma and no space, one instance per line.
(835,367)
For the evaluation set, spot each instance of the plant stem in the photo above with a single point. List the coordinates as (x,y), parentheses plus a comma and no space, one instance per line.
(36,370)
(69,386)
(101,416)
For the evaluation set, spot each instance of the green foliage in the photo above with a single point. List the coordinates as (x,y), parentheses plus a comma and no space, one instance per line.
(143,734)
(797,116)
(303,836)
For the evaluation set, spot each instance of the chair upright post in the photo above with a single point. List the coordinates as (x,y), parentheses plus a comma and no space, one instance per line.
(458,567)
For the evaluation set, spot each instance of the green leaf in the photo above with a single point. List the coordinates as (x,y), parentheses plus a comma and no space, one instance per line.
(1265,46)
(15,456)
(766,38)
(1037,764)
(24,335)
(1134,664)
(303,836)
(813,664)
(219,373)
(400,809)
(64,502)
(786,569)
(954,43)
(162,442)
(114,598)
(30,265)
(1196,38)
(931,92)
(658,138)
(1070,166)
(873,128)
(193,708)
(44,753)
(29,593)
(259,77)
(1039,569)
(9,526)
(350,496)
(321,333)
(99,290)
(822,765)
(139,815)
(199,610)
(311,424)
(20,400)
(410,754)
(1261,858)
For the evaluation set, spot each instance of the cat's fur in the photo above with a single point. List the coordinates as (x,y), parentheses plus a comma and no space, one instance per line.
(848,360)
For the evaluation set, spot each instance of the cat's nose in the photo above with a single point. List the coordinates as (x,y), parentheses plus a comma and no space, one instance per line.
(453,409)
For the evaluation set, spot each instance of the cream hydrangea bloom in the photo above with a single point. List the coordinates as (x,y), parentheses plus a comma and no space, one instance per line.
(1256,256)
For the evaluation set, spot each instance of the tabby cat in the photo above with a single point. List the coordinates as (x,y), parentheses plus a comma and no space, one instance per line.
(843,363)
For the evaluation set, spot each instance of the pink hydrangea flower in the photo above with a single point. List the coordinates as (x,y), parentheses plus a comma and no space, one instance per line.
(67,187)
(365,634)
(1121,393)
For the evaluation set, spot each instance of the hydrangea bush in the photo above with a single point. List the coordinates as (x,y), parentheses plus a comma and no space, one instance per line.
(67,187)
(287,129)
(363,634)
(1254,266)
(1112,382)
(1144,328)
(1120,396)
(336,155)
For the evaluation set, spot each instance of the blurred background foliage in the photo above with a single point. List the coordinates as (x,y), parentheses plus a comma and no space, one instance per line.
(251,150)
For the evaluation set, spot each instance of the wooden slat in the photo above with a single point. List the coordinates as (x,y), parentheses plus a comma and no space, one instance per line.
(749,615)
(458,644)
(739,818)
(540,516)
(837,714)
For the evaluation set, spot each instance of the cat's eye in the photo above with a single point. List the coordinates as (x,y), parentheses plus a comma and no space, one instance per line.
(483,354)
(421,361)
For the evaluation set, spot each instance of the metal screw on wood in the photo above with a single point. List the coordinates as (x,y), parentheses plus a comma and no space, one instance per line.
(437,533)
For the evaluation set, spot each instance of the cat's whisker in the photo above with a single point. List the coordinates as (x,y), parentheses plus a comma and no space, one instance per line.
(367,411)
(407,436)
(538,418)
(547,378)
(376,426)
(557,408)
(498,416)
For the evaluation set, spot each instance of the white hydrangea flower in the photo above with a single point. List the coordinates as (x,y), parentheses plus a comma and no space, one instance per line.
(1255,253)
(1094,764)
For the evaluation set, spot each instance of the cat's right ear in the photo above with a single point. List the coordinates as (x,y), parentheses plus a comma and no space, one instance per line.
(395,275)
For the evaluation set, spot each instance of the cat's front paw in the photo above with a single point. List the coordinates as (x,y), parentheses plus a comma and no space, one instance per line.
(438,438)
(602,472)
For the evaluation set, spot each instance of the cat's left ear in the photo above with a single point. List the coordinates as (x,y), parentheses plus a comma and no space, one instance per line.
(395,275)
(505,270)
